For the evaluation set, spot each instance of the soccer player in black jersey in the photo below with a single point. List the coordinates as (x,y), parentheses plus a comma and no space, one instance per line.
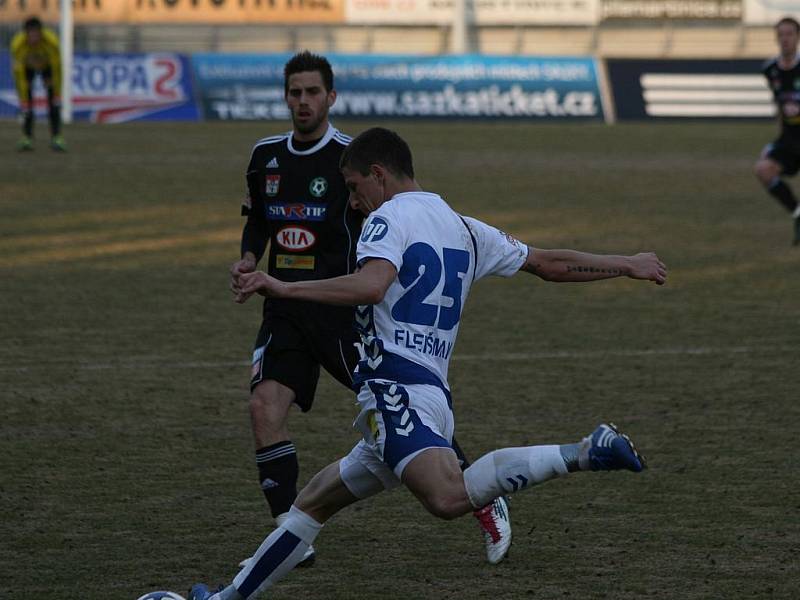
(782,157)
(297,204)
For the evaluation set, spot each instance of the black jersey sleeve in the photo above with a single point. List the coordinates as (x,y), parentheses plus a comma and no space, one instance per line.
(256,230)
(254,236)
(251,203)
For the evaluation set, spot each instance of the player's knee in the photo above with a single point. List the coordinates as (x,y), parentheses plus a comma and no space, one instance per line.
(264,410)
(765,171)
(444,506)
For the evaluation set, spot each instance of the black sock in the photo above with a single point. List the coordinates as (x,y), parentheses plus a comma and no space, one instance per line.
(278,470)
(462,458)
(55,118)
(27,127)
(778,189)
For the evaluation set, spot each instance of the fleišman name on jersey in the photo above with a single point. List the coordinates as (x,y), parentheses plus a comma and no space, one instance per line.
(426,344)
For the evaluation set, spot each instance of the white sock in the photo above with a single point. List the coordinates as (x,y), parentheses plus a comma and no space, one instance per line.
(509,470)
(796,213)
(278,554)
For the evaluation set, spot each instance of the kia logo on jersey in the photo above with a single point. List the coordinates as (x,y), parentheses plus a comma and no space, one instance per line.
(295,238)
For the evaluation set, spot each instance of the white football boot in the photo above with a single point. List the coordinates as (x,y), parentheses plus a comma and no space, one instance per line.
(308,558)
(495,524)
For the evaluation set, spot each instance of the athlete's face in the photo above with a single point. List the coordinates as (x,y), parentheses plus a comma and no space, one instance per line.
(309,101)
(788,38)
(366,191)
(33,35)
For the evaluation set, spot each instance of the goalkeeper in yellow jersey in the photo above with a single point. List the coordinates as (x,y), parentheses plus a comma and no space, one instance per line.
(35,50)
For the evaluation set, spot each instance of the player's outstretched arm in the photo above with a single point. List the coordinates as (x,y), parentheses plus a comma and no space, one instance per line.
(572,265)
(366,286)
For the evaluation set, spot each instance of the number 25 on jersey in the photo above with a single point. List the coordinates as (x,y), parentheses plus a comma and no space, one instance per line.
(420,275)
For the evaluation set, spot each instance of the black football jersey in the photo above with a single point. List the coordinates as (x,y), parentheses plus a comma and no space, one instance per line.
(301,195)
(785,86)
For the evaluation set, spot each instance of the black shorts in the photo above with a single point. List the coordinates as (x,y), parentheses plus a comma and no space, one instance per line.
(291,345)
(785,152)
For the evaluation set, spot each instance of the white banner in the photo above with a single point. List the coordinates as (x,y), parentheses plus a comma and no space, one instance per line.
(398,12)
(672,9)
(769,12)
(537,12)
(479,12)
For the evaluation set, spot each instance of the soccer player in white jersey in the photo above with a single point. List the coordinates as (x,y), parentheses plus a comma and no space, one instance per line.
(418,260)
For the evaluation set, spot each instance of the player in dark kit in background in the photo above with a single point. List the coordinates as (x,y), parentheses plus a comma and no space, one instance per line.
(297,203)
(782,157)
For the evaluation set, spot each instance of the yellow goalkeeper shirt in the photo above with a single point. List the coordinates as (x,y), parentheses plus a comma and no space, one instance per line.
(38,57)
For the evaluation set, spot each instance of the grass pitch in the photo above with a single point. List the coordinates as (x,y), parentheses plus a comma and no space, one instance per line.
(125,448)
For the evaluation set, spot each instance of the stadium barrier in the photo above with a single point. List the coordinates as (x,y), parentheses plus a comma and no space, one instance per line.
(111,88)
(121,87)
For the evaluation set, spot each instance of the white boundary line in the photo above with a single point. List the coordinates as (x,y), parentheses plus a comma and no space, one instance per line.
(155,362)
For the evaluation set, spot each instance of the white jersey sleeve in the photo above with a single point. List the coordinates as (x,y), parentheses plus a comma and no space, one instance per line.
(382,236)
(498,253)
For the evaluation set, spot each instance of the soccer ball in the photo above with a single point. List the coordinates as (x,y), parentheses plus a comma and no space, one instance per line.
(162,596)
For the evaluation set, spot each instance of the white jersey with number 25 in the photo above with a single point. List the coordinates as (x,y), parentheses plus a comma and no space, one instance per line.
(437,254)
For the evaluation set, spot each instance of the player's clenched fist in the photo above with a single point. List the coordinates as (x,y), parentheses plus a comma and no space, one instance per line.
(646,265)
(245,265)
(261,283)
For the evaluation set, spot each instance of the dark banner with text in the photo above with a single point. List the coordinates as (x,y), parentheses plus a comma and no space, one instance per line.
(679,89)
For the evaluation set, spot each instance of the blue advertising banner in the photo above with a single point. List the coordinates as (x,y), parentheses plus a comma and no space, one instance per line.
(250,86)
(112,88)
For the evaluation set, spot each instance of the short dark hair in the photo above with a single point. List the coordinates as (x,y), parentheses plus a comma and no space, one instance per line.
(32,23)
(378,146)
(306,61)
(789,21)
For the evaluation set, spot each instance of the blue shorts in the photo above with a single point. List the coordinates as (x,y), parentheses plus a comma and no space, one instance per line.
(396,422)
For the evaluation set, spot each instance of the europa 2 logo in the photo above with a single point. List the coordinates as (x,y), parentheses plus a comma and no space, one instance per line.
(111,88)
(121,87)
